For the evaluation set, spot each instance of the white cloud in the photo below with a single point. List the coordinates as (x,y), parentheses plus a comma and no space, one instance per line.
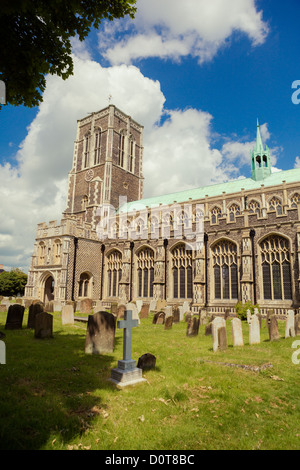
(297,162)
(173,29)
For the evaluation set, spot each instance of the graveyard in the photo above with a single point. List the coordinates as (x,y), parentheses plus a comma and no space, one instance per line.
(56,395)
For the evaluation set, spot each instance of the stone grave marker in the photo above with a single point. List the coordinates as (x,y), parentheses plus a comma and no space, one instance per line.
(290,324)
(208,329)
(127,373)
(254,330)
(169,322)
(43,325)
(86,306)
(249,316)
(144,313)
(139,304)
(14,317)
(161,304)
(193,326)
(222,338)
(218,323)
(152,307)
(67,315)
(146,361)
(273,328)
(186,306)
(187,316)
(176,315)
(114,308)
(34,309)
(3,308)
(121,311)
(203,317)
(237,332)
(100,333)
(159,318)
(132,306)
(57,307)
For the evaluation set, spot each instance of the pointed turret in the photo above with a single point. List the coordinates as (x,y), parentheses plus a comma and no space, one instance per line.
(260,159)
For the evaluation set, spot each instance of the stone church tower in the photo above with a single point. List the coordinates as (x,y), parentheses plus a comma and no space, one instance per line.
(107,163)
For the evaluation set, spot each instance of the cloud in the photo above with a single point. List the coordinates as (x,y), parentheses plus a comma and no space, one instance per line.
(170,30)
(297,162)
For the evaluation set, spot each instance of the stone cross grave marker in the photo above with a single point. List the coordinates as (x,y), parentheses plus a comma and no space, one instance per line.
(127,373)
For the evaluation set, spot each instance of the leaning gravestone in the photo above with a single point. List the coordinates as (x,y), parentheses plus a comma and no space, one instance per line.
(67,315)
(169,322)
(176,315)
(218,323)
(254,330)
(100,334)
(159,318)
(14,317)
(43,325)
(290,324)
(193,326)
(34,309)
(237,333)
(273,328)
(146,361)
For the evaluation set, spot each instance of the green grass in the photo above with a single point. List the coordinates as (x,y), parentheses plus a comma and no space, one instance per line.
(54,396)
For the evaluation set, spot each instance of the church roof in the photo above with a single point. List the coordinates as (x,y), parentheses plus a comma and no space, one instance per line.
(230,187)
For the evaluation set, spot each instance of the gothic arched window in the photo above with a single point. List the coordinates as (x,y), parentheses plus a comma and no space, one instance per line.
(121,158)
(225,268)
(295,200)
(131,155)
(86,150)
(215,215)
(182,269)
(84,285)
(233,211)
(97,149)
(275,204)
(114,273)
(254,207)
(276,268)
(145,272)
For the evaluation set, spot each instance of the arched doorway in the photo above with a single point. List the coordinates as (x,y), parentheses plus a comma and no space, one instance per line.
(49,289)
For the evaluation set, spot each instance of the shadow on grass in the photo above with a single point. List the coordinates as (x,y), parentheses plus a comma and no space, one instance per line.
(50,389)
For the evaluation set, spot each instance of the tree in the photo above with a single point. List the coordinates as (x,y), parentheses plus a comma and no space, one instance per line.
(13,283)
(35,40)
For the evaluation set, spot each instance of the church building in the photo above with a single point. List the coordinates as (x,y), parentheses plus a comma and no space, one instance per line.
(211,246)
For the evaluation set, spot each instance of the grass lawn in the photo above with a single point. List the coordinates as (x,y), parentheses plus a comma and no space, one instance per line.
(54,396)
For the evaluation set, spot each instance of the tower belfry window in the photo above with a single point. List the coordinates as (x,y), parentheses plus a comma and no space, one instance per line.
(97,150)
(121,150)
(86,155)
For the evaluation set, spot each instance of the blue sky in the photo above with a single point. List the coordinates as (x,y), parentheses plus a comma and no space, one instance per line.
(196,76)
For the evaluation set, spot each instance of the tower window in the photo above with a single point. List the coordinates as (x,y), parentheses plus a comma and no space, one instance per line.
(276,205)
(121,150)
(97,150)
(86,154)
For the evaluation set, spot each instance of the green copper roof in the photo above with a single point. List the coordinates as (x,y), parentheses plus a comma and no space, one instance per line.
(231,187)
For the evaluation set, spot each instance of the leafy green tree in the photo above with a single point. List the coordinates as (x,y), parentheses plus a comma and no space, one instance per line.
(35,40)
(13,282)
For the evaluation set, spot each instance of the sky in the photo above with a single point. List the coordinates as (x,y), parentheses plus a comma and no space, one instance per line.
(196,74)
